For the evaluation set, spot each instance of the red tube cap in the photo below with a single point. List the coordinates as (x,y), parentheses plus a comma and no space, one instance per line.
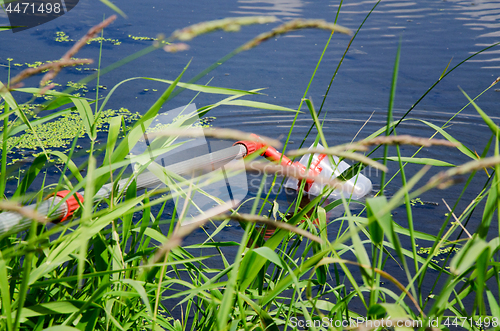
(250,145)
(71,203)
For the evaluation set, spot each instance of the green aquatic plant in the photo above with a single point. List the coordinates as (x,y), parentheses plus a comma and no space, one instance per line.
(444,250)
(142,38)
(37,64)
(117,265)
(80,88)
(416,201)
(115,42)
(28,109)
(59,134)
(61,36)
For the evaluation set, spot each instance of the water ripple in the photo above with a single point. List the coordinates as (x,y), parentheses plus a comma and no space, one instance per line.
(286,8)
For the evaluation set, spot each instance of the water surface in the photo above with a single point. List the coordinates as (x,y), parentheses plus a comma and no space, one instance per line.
(432,34)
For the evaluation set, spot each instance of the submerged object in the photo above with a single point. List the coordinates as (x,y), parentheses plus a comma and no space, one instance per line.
(63,204)
(55,211)
(355,188)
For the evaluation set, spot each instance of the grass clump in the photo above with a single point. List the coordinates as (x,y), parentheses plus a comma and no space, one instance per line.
(120,264)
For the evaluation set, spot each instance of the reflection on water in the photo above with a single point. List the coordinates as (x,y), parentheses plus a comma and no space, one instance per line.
(393,16)
(285,8)
(482,16)
(432,31)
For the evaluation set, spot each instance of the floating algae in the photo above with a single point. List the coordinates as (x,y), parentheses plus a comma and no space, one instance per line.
(27,109)
(141,38)
(60,133)
(36,64)
(115,42)
(62,37)
(445,250)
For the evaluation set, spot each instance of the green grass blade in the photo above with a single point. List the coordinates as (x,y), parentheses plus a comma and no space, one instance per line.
(489,122)
(252,264)
(5,293)
(392,96)
(444,71)
(418,160)
(255,104)
(137,131)
(114,7)
(86,115)
(31,174)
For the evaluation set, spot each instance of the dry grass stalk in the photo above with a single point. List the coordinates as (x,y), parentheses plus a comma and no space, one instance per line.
(363,159)
(329,260)
(456,219)
(292,26)
(176,239)
(495,82)
(46,88)
(340,152)
(407,140)
(444,178)
(65,61)
(363,144)
(77,46)
(57,65)
(226,24)
(219,133)
(291,172)
(90,34)
(176,47)
(276,224)
(23,211)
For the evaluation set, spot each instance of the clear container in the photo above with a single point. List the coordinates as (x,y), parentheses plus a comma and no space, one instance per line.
(355,188)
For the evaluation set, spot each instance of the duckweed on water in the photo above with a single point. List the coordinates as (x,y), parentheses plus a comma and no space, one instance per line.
(52,82)
(115,42)
(141,38)
(80,87)
(36,64)
(415,201)
(28,109)
(59,134)
(62,37)
(446,250)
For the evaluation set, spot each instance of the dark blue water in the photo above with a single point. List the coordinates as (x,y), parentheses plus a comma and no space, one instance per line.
(431,33)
